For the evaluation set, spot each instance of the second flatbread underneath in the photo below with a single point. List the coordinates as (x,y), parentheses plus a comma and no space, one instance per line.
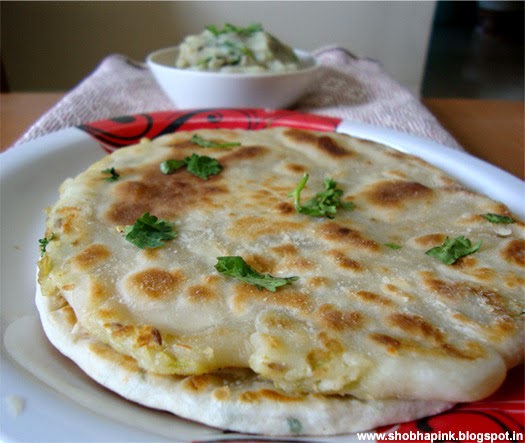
(233,399)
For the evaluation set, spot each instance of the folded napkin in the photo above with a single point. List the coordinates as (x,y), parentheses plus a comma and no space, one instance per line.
(356,89)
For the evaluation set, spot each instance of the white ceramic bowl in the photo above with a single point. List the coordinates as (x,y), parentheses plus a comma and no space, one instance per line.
(198,89)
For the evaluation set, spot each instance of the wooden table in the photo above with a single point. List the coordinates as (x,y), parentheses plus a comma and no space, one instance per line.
(488,129)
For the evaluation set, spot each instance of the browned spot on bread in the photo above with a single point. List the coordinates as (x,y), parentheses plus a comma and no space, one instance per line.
(467,265)
(332,318)
(373,298)
(91,256)
(262,194)
(107,314)
(246,294)
(67,220)
(397,292)
(222,394)
(330,343)
(294,167)
(391,344)
(261,263)
(513,280)
(199,383)
(463,289)
(200,293)
(148,336)
(447,289)
(155,282)
(514,252)
(252,226)
(161,195)
(285,208)
(467,354)
(279,397)
(331,147)
(430,240)
(286,250)
(395,193)
(324,143)
(276,366)
(493,303)
(415,325)
(336,232)
(98,291)
(262,197)
(126,213)
(485,274)
(244,153)
(301,263)
(395,345)
(300,136)
(345,262)
(267,394)
(120,331)
(292,257)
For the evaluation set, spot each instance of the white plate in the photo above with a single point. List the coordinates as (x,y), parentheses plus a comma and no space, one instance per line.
(45,397)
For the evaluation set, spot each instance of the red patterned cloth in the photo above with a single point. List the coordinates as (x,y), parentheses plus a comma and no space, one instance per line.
(355,89)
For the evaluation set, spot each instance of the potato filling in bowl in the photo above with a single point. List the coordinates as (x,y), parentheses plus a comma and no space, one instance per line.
(236,49)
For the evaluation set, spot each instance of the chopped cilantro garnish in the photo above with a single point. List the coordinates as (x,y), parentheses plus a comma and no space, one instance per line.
(497,218)
(235,49)
(204,62)
(199,165)
(247,52)
(203,166)
(113,175)
(149,232)
(453,249)
(43,242)
(170,166)
(324,204)
(228,27)
(236,267)
(203,143)
(393,245)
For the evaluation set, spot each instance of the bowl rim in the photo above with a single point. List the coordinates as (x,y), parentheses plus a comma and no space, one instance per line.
(301,53)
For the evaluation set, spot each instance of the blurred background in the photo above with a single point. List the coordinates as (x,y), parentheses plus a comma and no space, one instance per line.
(435,48)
